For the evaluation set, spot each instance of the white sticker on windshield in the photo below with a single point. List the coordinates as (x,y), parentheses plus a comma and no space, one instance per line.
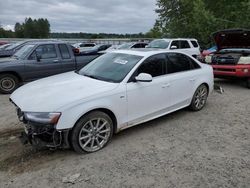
(120,61)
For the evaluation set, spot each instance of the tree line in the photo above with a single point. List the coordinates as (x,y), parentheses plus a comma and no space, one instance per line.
(30,28)
(199,18)
(40,28)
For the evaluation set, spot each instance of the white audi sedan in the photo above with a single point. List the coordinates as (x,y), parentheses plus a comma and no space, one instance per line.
(118,90)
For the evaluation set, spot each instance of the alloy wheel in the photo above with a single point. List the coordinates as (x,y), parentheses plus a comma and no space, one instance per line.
(94,134)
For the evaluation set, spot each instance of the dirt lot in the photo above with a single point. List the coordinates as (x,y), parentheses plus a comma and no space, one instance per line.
(210,148)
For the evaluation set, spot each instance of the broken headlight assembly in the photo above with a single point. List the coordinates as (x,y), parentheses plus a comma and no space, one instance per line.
(42,117)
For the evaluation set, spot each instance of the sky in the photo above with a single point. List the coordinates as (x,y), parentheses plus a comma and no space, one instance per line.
(90,16)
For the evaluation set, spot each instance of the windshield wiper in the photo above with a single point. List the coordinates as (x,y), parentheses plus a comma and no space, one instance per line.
(91,76)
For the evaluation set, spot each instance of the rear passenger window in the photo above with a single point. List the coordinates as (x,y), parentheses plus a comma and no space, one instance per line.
(194,65)
(177,63)
(184,44)
(154,65)
(194,43)
(64,51)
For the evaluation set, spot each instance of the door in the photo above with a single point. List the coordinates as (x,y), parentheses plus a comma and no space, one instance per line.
(148,99)
(182,74)
(67,60)
(42,62)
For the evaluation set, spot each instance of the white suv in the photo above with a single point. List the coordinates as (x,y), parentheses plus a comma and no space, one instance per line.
(189,46)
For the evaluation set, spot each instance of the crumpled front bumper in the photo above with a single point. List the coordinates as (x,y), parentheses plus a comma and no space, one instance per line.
(42,135)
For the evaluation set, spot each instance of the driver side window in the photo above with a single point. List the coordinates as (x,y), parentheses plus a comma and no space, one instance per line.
(46,51)
(154,65)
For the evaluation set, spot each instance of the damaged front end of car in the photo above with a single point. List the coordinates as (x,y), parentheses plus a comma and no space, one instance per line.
(40,130)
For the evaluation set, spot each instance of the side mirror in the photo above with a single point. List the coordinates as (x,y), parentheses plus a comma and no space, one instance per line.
(173,47)
(144,77)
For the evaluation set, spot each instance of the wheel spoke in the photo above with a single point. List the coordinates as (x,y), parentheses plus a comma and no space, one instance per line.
(100,136)
(104,131)
(97,123)
(84,137)
(85,130)
(92,142)
(86,143)
(98,143)
(91,124)
(100,128)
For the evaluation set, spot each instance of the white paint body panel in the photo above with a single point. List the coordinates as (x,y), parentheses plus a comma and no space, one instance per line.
(132,103)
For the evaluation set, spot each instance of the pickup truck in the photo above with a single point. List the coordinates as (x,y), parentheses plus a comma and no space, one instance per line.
(232,58)
(38,60)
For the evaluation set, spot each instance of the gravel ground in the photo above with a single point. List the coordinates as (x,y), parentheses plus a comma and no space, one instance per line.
(210,148)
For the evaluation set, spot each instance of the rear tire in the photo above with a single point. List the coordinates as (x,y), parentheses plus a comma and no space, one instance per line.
(200,98)
(8,83)
(92,132)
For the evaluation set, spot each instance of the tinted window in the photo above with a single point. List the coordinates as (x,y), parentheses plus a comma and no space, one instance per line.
(154,65)
(46,51)
(194,43)
(143,45)
(137,46)
(184,44)
(193,64)
(64,51)
(177,63)
(87,45)
(175,43)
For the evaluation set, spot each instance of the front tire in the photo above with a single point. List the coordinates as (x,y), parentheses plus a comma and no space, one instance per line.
(200,98)
(8,83)
(92,132)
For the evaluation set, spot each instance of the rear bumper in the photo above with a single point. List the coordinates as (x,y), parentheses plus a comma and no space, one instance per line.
(241,71)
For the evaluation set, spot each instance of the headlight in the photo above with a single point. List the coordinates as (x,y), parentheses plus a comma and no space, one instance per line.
(42,117)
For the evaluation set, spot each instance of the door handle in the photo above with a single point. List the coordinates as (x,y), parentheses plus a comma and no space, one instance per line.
(55,61)
(166,85)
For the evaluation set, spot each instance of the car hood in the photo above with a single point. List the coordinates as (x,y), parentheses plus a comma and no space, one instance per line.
(52,93)
(7,59)
(234,38)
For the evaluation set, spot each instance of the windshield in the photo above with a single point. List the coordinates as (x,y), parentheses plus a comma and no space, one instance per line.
(111,67)
(162,44)
(125,46)
(11,47)
(20,54)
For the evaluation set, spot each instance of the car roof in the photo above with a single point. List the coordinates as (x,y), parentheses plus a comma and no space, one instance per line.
(168,39)
(145,52)
(46,42)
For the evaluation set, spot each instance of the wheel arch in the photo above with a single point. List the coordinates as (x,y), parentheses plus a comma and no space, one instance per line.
(12,73)
(106,111)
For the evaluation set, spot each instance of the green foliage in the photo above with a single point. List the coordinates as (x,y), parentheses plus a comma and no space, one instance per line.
(39,28)
(199,18)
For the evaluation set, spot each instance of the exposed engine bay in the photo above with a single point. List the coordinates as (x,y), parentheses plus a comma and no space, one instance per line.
(229,58)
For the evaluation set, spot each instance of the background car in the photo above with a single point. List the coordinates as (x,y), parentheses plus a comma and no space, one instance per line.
(130,45)
(99,48)
(232,57)
(84,46)
(189,46)
(3,42)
